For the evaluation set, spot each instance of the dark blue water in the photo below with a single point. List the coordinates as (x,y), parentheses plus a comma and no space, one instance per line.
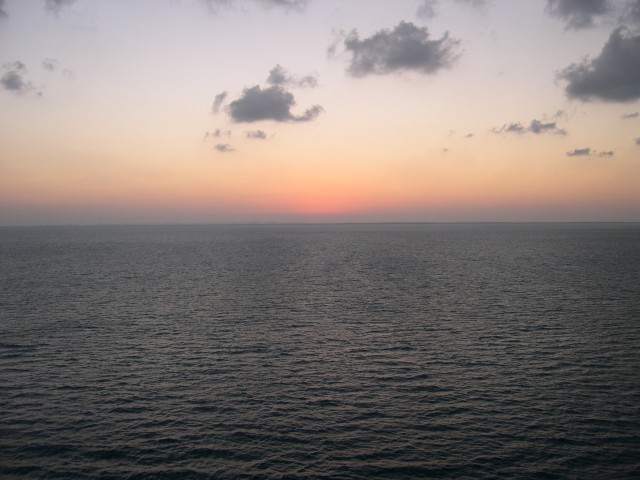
(344,351)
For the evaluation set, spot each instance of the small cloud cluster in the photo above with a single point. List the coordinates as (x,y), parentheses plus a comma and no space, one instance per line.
(613,76)
(588,152)
(256,134)
(628,116)
(217,133)
(578,14)
(15,79)
(536,127)
(405,48)
(273,103)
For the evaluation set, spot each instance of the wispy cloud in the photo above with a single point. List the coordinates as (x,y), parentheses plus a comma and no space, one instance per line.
(613,76)
(3,12)
(279,77)
(628,116)
(405,48)
(588,152)
(256,134)
(224,148)
(536,127)
(216,6)
(217,133)
(428,9)
(50,64)
(218,101)
(56,5)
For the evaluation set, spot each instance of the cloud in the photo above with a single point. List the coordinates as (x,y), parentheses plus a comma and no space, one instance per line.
(271,103)
(3,13)
(218,101)
(217,133)
(468,135)
(56,5)
(628,116)
(224,148)
(299,5)
(278,76)
(638,141)
(632,12)
(405,48)
(579,152)
(614,76)
(536,127)
(50,64)
(578,14)
(587,152)
(428,9)
(256,134)
(14,78)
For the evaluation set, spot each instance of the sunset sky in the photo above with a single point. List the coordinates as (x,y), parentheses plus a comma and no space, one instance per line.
(204,111)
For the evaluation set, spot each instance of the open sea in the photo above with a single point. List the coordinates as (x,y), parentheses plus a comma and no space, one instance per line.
(465,351)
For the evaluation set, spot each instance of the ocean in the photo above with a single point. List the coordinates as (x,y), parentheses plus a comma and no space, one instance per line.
(466,351)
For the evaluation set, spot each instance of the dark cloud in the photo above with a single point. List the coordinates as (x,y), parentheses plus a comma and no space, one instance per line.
(614,76)
(218,101)
(272,103)
(536,127)
(405,48)
(56,5)
(578,14)
(278,76)
(224,148)
(628,116)
(50,64)
(14,78)
(587,152)
(3,13)
(256,134)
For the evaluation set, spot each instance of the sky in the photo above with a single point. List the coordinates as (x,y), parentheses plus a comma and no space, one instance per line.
(225,111)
